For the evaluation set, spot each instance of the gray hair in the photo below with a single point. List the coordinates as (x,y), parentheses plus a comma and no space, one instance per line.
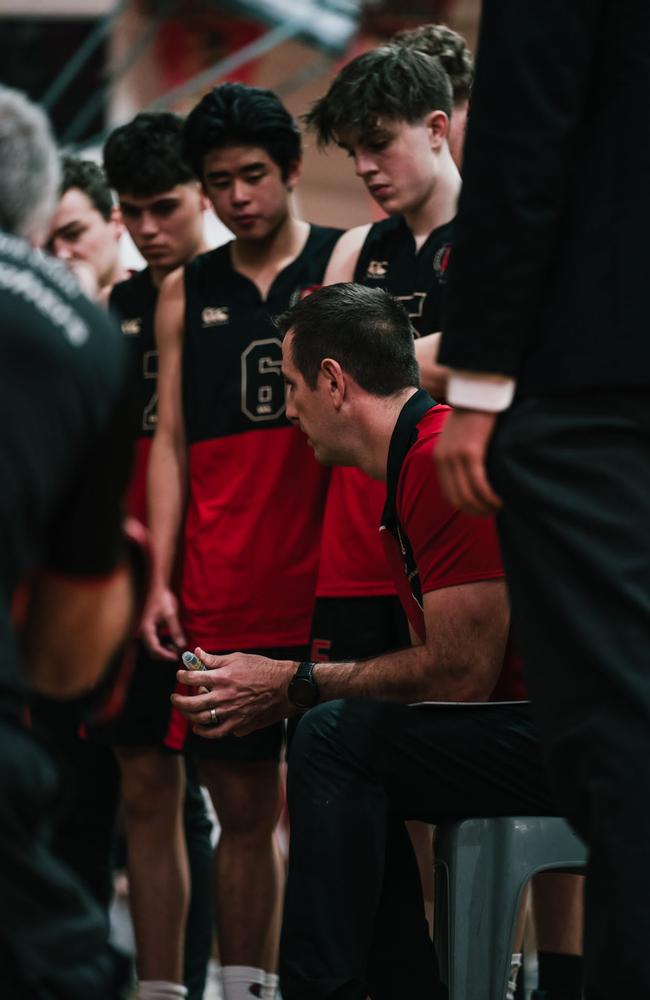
(29,166)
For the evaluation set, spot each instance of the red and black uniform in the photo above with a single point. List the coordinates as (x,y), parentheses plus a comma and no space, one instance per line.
(148,717)
(353,564)
(361,767)
(133,303)
(256,492)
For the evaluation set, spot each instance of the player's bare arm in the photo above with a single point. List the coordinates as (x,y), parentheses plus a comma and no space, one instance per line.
(345,254)
(342,266)
(466,634)
(167,474)
(432,375)
(73,629)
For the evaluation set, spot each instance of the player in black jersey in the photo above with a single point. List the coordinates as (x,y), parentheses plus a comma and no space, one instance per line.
(67,594)
(254,493)
(163,207)
(396,131)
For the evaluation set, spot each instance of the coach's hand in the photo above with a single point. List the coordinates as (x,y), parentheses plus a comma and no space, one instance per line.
(244,693)
(460,460)
(160,618)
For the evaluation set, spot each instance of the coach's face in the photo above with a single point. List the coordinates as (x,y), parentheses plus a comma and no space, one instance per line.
(317,411)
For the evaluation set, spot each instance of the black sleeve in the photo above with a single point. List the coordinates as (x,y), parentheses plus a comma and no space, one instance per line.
(86,535)
(536,68)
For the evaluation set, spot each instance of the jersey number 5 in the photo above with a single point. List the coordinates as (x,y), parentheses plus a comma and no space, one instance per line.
(262,385)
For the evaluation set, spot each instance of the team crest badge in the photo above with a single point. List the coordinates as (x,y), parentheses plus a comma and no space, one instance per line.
(302,293)
(377,269)
(441,262)
(215,316)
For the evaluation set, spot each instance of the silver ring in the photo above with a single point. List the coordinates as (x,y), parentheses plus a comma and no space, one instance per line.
(213,714)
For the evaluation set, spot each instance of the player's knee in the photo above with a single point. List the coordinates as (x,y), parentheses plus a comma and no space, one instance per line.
(152,784)
(246,797)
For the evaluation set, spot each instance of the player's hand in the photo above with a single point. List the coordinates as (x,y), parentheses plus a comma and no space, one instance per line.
(86,277)
(460,460)
(244,691)
(160,617)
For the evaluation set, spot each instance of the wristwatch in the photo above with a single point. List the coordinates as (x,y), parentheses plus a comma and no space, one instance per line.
(303,689)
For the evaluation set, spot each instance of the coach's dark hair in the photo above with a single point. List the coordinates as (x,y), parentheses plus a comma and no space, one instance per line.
(235,114)
(450,48)
(365,329)
(145,156)
(391,82)
(89,178)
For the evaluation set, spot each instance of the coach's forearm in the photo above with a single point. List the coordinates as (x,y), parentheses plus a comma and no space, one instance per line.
(404,676)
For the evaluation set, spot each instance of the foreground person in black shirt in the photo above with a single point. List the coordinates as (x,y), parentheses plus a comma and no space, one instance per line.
(64,571)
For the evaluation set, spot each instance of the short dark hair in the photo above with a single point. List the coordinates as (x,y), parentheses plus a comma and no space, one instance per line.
(145,156)
(391,82)
(450,48)
(89,178)
(365,329)
(235,114)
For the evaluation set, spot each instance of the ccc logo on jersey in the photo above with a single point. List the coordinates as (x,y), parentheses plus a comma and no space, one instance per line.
(377,269)
(215,316)
(132,327)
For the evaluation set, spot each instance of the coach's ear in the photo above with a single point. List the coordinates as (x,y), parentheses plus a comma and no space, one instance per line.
(437,123)
(334,381)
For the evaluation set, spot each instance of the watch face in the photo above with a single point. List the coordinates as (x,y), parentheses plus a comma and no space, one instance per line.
(302,693)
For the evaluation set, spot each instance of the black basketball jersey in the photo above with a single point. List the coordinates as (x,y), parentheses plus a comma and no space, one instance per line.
(133,303)
(389,260)
(232,355)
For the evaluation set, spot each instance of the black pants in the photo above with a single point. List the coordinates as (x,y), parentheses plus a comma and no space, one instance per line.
(53,935)
(354,919)
(574,475)
(83,826)
(83,829)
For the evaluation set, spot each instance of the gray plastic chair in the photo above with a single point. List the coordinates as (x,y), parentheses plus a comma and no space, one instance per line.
(482,867)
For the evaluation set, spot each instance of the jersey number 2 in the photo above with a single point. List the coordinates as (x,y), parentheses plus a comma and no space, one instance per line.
(150,371)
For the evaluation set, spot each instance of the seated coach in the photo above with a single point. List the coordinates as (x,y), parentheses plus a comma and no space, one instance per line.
(366,756)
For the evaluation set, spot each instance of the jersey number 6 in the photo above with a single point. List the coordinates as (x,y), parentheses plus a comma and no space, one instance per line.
(262,385)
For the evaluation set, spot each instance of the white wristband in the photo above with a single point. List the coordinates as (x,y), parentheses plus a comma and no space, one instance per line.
(480,392)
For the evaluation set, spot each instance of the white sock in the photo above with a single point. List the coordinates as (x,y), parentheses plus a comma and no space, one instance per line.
(242,982)
(515,966)
(270,989)
(160,989)
(214,971)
